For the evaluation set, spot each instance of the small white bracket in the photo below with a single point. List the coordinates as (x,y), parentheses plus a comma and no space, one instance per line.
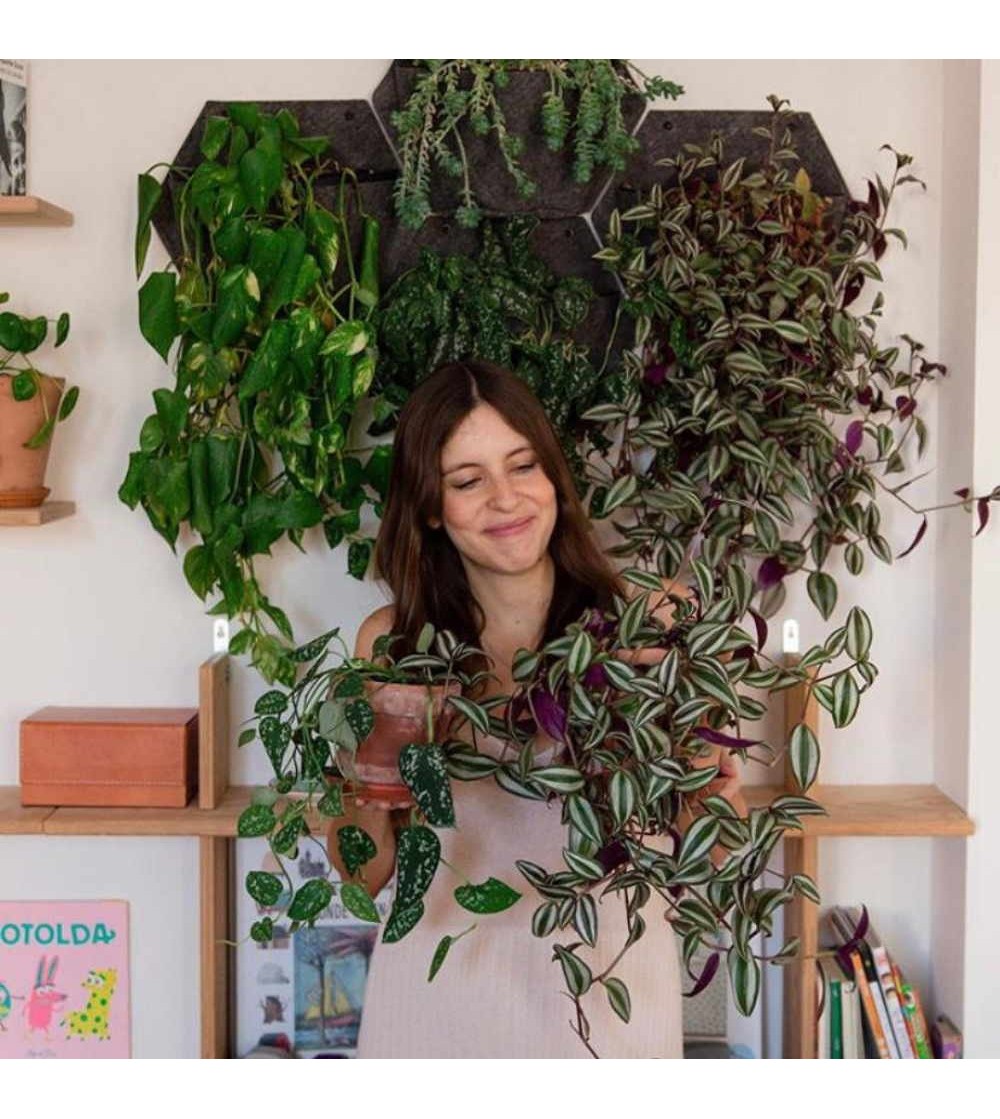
(220,635)
(790,636)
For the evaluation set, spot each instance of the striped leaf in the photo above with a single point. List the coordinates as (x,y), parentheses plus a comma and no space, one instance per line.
(666,672)
(698,841)
(804,885)
(576,973)
(583,865)
(510,784)
(791,331)
(619,673)
(525,664)
(798,806)
(622,793)
(619,493)
(618,996)
(692,711)
(706,639)
(545,918)
(845,698)
(479,718)
(468,766)
(581,654)
(559,778)
(632,619)
(822,590)
(711,681)
(748,452)
(744,975)
(585,919)
(640,578)
(584,818)
(859,634)
(803,749)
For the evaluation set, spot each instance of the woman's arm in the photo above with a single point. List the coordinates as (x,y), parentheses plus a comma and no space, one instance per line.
(376,817)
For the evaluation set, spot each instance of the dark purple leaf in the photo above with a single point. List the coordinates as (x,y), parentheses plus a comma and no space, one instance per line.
(548,714)
(761,624)
(983,511)
(865,395)
(916,539)
(862,929)
(905,406)
(706,977)
(855,433)
(655,374)
(873,207)
(770,572)
(963,493)
(595,677)
(612,855)
(717,738)
(599,624)
(853,290)
(878,245)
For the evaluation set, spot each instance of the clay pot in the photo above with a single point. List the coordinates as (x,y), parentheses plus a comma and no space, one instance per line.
(400,718)
(22,470)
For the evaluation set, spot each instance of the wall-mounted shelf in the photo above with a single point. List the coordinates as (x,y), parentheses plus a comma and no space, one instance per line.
(28,209)
(853,810)
(38,514)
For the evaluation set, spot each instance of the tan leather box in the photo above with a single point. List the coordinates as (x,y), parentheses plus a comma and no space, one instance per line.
(110,756)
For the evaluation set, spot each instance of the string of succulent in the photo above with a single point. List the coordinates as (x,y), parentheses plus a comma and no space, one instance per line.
(742,286)
(266,314)
(326,742)
(506,305)
(460,96)
(20,336)
(644,822)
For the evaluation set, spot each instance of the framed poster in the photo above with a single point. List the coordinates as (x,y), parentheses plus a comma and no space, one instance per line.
(64,979)
(13,126)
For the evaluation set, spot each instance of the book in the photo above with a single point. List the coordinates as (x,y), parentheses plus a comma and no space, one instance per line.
(13,126)
(946,1038)
(872,995)
(887,983)
(830,1035)
(912,1010)
(854,1048)
(823,1017)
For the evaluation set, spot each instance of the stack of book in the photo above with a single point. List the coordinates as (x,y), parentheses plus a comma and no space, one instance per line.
(867,1009)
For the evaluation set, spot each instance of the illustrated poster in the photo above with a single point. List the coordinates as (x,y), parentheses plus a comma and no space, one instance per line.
(304,992)
(13,126)
(64,979)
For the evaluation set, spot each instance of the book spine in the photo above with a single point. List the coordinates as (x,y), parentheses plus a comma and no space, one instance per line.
(908,1003)
(878,998)
(823,1022)
(893,1006)
(836,1021)
(871,1013)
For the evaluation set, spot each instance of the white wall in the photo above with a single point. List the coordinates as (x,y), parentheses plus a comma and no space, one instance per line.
(100,612)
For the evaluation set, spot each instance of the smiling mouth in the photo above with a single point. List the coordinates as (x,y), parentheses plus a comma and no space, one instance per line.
(511,529)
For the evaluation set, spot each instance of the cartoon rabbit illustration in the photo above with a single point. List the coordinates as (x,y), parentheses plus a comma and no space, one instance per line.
(44,998)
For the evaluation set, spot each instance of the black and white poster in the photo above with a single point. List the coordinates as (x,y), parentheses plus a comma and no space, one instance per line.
(13,126)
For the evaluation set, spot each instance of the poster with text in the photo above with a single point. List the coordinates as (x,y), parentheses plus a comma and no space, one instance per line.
(64,981)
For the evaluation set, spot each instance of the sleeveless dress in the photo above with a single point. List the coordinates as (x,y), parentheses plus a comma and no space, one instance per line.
(499,992)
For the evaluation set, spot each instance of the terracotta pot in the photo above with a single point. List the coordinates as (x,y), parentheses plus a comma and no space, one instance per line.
(400,718)
(22,470)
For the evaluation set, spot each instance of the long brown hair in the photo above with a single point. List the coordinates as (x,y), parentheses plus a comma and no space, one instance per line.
(420,565)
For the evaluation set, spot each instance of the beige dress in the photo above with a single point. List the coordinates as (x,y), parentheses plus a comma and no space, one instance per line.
(499,993)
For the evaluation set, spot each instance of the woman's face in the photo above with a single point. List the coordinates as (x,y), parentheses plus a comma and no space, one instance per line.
(498,506)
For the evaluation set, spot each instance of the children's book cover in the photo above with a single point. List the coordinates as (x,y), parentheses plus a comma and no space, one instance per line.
(64,982)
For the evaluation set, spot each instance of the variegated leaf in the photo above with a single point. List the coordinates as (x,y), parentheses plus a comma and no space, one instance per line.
(859,634)
(618,996)
(585,919)
(576,973)
(804,754)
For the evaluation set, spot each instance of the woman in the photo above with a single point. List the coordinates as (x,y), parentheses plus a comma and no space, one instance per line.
(483,534)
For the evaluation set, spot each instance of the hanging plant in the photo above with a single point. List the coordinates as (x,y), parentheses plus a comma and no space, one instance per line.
(743,287)
(264,319)
(582,107)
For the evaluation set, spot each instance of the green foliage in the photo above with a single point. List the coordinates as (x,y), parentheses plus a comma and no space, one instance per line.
(452,97)
(20,336)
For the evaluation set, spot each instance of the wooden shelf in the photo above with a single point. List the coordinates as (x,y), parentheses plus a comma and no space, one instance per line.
(28,209)
(17,820)
(38,514)
(903,810)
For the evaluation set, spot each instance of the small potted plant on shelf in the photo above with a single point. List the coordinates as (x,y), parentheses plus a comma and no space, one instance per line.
(31,403)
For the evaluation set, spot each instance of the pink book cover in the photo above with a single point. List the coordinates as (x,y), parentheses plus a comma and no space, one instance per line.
(64,982)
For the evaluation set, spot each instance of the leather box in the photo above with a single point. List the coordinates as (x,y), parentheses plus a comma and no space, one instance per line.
(110,756)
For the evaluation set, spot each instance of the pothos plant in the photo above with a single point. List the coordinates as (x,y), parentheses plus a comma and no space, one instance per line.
(20,336)
(582,106)
(264,318)
(310,734)
(628,772)
(743,286)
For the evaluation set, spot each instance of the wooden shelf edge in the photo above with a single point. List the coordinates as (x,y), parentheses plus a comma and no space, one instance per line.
(875,810)
(38,514)
(29,209)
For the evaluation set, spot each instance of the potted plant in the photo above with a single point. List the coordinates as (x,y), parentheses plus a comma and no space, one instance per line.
(31,403)
(378,727)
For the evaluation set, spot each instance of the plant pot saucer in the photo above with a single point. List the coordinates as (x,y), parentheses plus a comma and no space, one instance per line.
(398,795)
